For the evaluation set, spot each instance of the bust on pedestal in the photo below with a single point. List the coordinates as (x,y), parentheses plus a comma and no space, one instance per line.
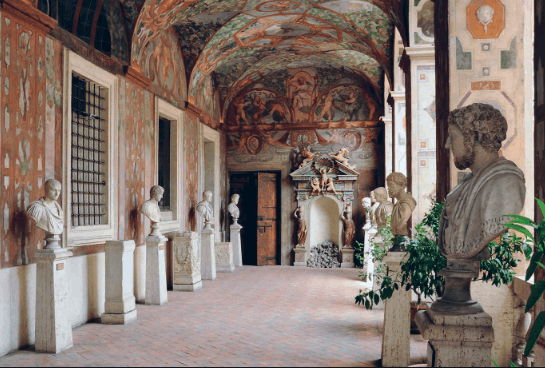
(156,276)
(208,253)
(235,230)
(460,333)
(402,210)
(53,326)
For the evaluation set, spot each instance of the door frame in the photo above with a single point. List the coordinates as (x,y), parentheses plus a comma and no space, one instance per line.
(279,211)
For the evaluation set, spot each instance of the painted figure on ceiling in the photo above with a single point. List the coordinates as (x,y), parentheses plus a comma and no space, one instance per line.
(326,109)
(349,105)
(276,106)
(241,114)
(260,109)
(300,90)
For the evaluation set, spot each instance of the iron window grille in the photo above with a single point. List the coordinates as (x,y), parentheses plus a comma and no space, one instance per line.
(89,168)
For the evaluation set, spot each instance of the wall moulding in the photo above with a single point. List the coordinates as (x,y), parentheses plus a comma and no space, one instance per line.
(136,77)
(29,14)
(303,126)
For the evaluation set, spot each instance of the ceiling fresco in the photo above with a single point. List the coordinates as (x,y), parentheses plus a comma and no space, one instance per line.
(240,42)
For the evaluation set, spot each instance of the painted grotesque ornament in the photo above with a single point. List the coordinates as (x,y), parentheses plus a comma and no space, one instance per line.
(349,226)
(485,14)
(233,208)
(299,214)
(150,208)
(206,210)
(403,209)
(48,214)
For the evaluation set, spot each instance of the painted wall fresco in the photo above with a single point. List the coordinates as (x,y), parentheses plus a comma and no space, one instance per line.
(302,96)
(162,62)
(136,159)
(29,107)
(191,170)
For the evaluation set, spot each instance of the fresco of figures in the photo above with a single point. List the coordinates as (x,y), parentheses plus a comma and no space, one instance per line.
(306,96)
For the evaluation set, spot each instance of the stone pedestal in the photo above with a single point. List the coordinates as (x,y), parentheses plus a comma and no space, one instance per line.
(369,261)
(237,246)
(186,263)
(300,254)
(457,340)
(53,325)
(156,276)
(224,257)
(208,255)
(396,339)
(347,258)
(119,307)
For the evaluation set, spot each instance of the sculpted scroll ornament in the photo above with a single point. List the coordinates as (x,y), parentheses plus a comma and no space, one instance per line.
(222,254)
(187,261)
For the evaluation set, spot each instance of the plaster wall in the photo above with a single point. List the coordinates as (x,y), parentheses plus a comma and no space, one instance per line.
(324,222)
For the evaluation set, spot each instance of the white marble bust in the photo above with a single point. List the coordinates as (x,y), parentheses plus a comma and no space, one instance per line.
(206,210)
(46,212)
(474,211)
(366,204)
(233,208)
(150,208)
(403,209)
(382,208)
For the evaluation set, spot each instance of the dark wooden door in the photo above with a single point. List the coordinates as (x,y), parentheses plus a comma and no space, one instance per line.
(245,185)
(267,208)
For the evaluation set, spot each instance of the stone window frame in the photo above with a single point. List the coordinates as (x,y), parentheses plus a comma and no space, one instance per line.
(95,234)
(171,220)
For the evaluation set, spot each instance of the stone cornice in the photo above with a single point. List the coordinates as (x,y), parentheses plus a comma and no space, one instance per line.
(303,126)
(30,14)
(421,52)
(136,77)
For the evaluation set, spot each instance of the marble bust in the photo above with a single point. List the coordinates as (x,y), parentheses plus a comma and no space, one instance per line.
(48,214)
(233,208)
(150,208)
(206,210)
(474,211)
(366,203)
(383,207)
(403,209)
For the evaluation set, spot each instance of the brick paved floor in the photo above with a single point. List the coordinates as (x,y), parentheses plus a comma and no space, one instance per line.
(257,316)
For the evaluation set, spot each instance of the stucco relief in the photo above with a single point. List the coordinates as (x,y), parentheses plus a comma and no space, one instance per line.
(485,18)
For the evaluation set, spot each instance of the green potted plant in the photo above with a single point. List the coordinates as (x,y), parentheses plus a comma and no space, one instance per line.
(423,262)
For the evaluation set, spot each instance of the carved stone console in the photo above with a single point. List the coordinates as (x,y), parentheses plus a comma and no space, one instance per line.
(325,189)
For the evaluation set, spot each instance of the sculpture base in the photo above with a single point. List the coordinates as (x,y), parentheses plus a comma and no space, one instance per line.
(188,287)
(186,264)
(118,318)
(237,245)
(347,257)
(457,340)
(224,257)
(300,254)
(208,255)
(156,276)
(53,327)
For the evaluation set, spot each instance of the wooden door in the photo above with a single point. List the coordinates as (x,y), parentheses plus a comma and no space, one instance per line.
(245,185)
(267,208)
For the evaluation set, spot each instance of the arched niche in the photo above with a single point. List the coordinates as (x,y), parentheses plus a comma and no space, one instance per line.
(325,223)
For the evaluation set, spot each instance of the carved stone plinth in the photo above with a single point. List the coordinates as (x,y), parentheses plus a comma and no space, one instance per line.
(208,255)
(224,257)
(156,276)
(347,258)
(186,262)
(53,325)
(300,254)
(237,245)
(369,262)
(119,307)
(457,340)
(396,339)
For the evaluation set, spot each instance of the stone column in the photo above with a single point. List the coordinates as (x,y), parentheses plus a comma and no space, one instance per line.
(237,246)
(53,325)
(208,255)
(396,339)
(119,307)
(347,257)
(224,257)
(460,333)
(186,262)
(156,275)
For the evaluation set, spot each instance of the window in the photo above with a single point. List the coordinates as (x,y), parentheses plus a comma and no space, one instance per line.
(90,178)
(88,166)
(164,167)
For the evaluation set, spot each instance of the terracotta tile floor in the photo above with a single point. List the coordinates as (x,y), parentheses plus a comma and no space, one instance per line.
(257,316)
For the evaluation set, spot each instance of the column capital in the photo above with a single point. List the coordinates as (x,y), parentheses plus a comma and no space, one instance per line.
(421,52)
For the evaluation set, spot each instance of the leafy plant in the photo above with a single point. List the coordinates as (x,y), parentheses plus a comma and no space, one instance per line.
(518,224)
(423,262)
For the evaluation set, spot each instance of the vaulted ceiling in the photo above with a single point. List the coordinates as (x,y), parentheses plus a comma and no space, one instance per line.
(238,42)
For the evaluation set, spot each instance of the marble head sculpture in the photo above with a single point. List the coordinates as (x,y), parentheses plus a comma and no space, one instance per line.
(233,207)
(206,210)
(48,214)
(384,208)
(403,209)
(474,211)
(151,210)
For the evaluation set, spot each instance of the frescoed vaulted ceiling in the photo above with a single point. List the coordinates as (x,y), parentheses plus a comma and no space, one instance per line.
(232,44)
